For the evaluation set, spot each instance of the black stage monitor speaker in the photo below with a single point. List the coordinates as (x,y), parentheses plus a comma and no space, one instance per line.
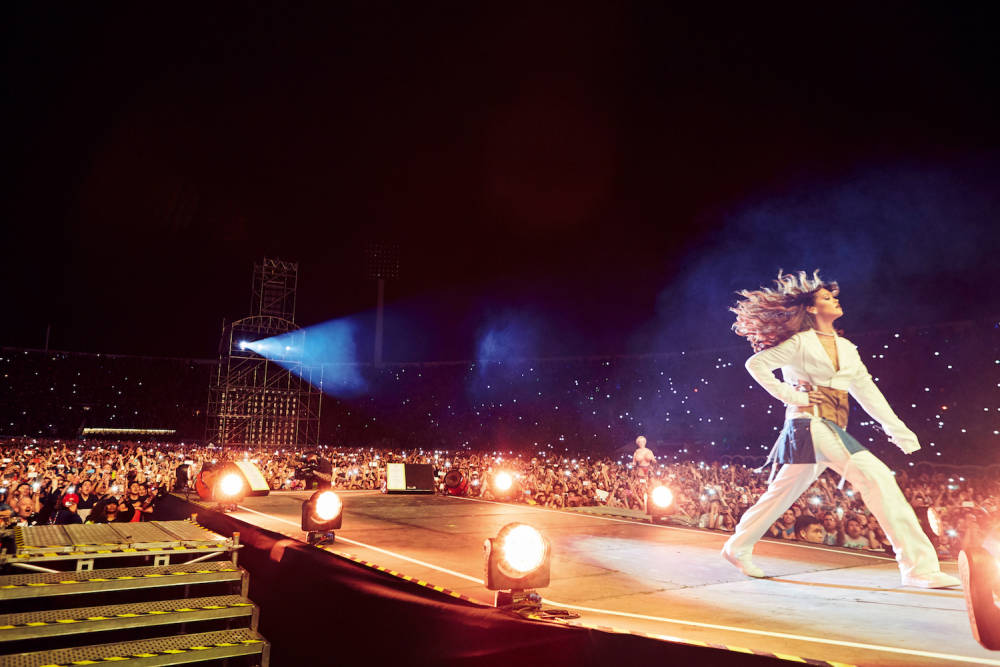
(409,478)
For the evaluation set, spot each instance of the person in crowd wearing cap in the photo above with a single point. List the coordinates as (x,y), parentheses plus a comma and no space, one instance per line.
(66,514)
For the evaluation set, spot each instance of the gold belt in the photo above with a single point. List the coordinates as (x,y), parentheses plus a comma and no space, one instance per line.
(833,404)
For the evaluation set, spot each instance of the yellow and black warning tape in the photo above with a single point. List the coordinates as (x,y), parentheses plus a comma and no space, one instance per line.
(106,552)
(592,626)
(151,575)
(157,654)
(152,612)
(405,577)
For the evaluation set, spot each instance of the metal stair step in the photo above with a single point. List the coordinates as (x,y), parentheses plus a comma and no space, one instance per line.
(21,586)
(59,622)
(174,650)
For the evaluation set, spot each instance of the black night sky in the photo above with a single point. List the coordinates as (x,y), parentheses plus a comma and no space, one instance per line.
(605,174)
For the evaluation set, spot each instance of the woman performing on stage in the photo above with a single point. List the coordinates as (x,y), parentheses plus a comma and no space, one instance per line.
(791,328)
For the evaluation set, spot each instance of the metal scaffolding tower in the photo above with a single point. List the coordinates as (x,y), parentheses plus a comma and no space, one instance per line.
(274,283)
(259,402)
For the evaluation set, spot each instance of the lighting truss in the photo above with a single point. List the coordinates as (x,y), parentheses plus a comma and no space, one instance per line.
(256,402)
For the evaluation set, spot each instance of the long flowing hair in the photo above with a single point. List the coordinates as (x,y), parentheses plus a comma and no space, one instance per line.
(768,316)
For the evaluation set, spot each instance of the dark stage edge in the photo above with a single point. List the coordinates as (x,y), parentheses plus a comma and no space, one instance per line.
(820,606)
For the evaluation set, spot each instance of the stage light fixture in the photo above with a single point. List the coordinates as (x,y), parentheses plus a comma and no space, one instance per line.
(228,489)
(229,483)
(981,585)
(518,560)
(455,483)
(503,482)
(524,550)
(662,496)
(230,486)
(321,515)
(660,503)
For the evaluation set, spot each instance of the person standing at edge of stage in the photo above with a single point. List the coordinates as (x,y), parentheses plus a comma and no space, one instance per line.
(791,328)
(643,458)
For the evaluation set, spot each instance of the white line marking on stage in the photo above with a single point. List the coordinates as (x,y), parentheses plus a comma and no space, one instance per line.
(782,635)
(681,528)
(659,619)
(478,580)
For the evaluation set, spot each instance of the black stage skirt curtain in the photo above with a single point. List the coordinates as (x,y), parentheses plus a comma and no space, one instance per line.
(321,609)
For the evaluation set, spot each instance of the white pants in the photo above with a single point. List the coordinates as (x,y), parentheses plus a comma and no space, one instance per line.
(914,552)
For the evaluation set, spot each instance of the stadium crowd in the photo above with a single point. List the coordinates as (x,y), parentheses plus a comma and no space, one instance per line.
(569,424)
(943,381)
(52,481)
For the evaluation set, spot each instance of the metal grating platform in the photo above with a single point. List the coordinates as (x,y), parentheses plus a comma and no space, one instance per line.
(90,534)
(138,534)
(42,537)
(44,584)
(89,541)
(145,534)
(187,531)
(59,622)
(109,573)
(176,650)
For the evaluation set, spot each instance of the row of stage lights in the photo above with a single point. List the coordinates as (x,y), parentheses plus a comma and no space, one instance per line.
(518,559)
(229,484)
(659,500)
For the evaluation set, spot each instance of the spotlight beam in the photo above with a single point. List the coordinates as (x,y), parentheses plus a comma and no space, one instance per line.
(325,355)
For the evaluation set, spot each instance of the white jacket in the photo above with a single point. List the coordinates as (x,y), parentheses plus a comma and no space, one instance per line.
(802,357)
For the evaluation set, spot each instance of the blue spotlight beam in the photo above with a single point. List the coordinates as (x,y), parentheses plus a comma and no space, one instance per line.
(330,346)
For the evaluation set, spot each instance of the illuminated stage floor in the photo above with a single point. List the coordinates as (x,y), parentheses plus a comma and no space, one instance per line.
(821,604)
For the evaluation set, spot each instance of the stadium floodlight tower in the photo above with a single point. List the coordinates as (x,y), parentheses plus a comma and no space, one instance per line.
(382,263)
(265,402)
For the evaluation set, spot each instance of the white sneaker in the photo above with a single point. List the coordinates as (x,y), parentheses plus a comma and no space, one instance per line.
(744,564)
(931,580)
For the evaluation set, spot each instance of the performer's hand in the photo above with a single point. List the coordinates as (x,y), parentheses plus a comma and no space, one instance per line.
(908,445)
